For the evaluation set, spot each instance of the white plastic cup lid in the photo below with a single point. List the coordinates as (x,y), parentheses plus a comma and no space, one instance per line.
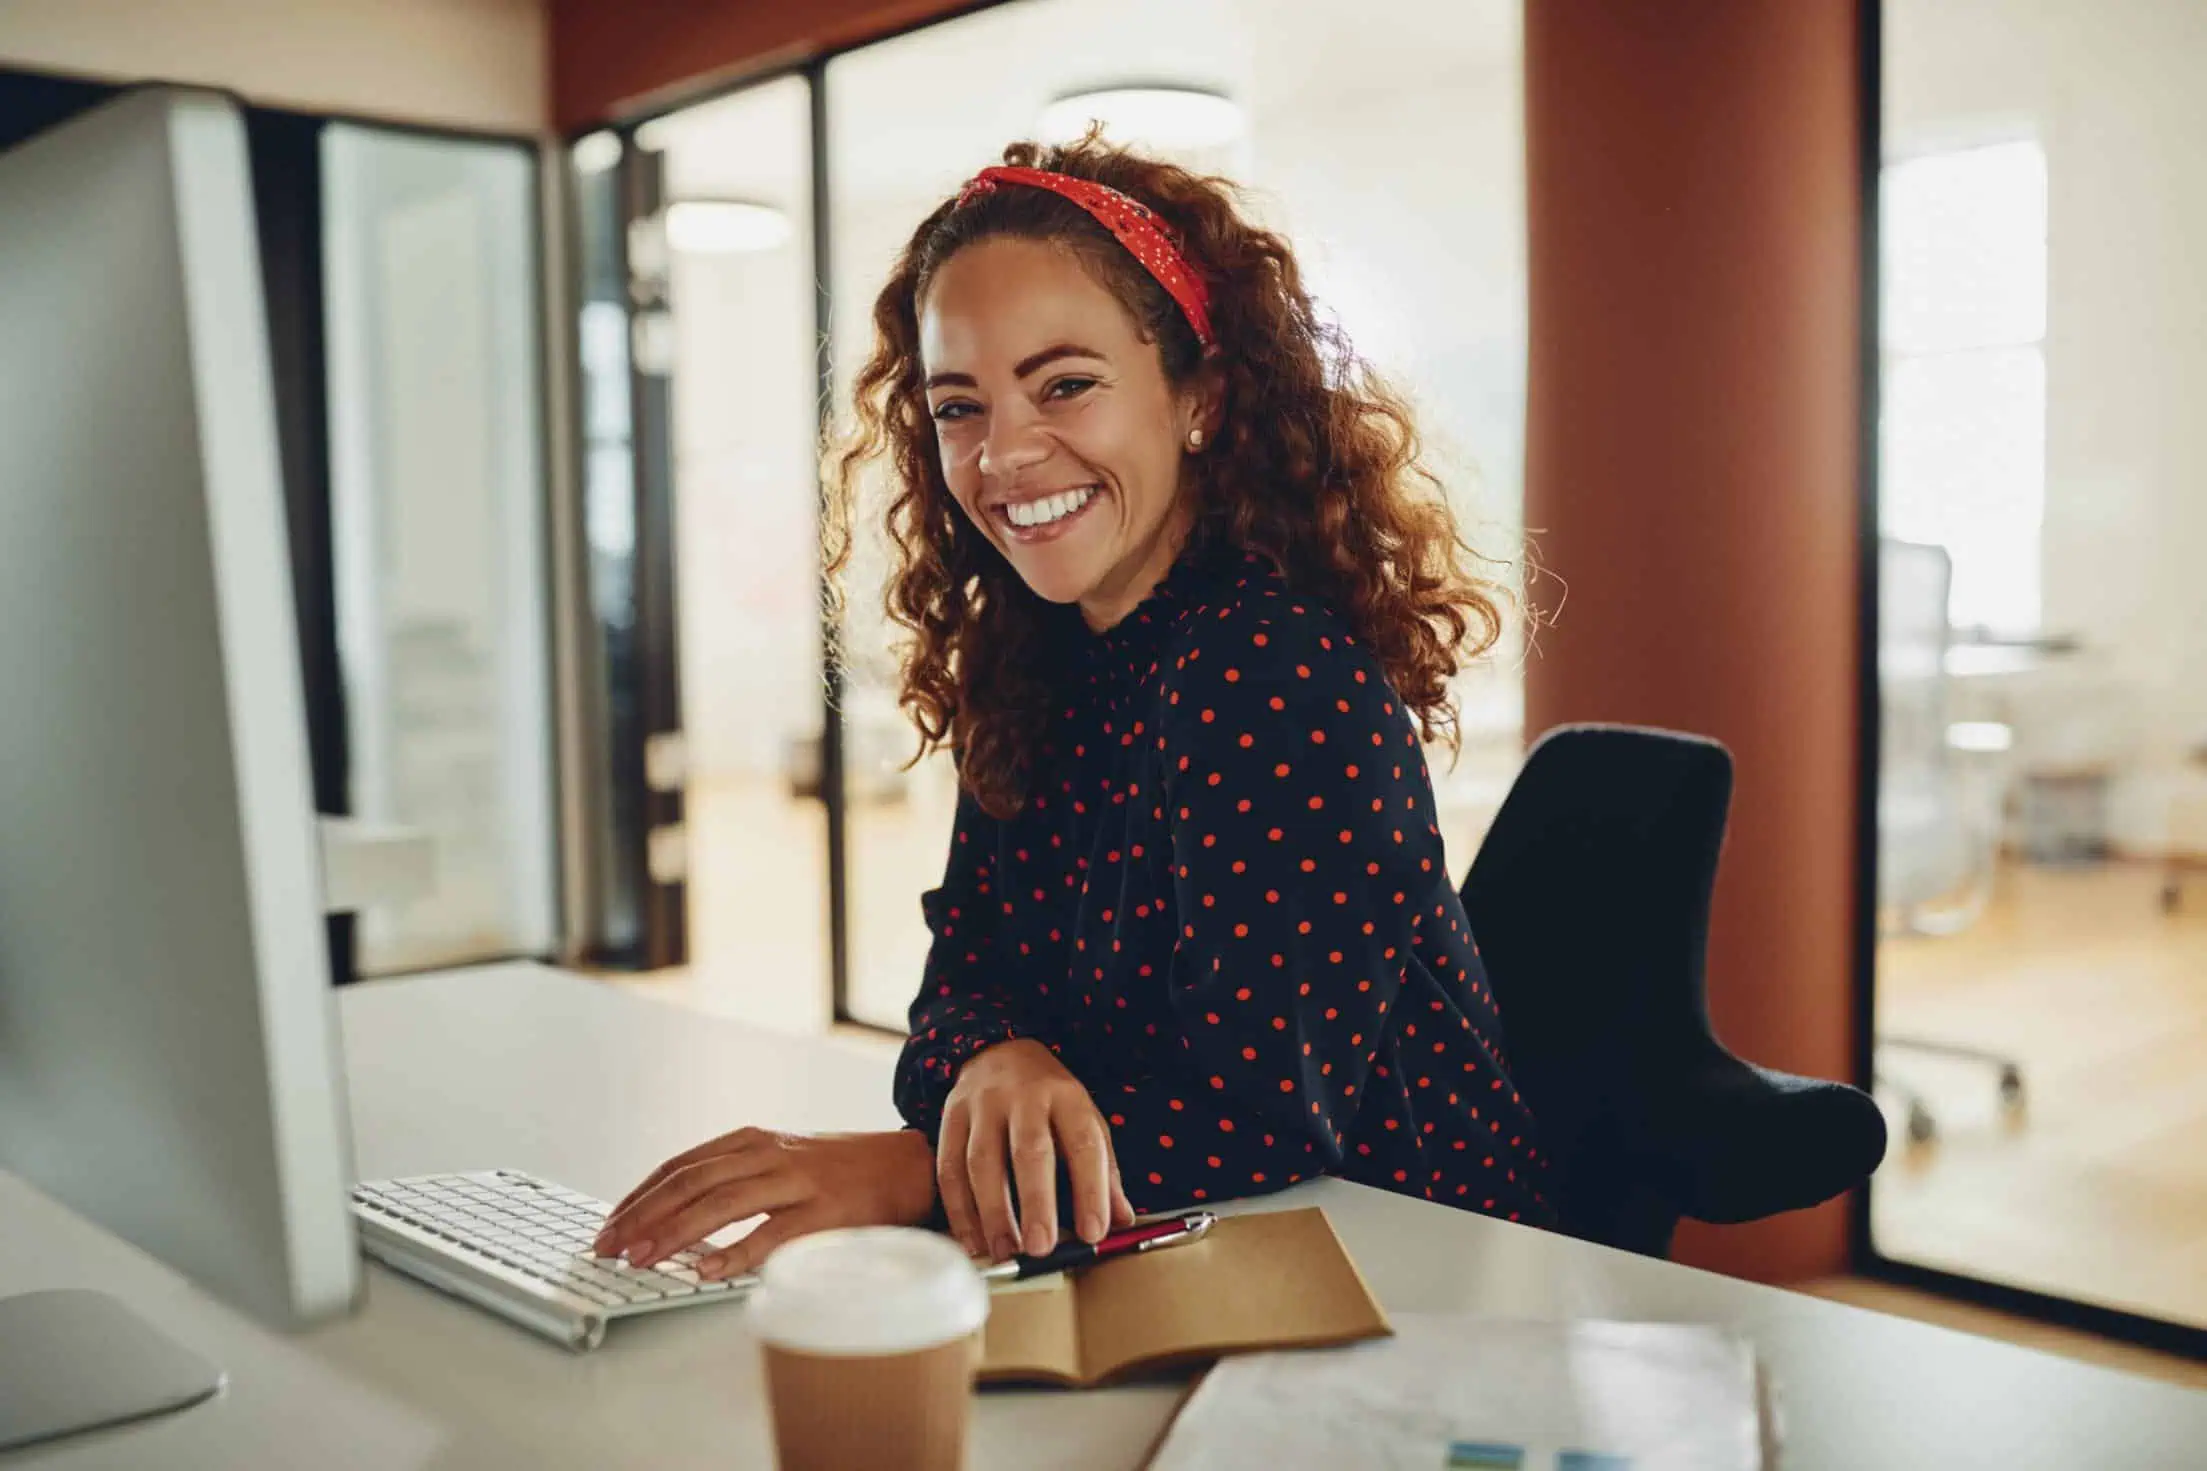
(867,1290)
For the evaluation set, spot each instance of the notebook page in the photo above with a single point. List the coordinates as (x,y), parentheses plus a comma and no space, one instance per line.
(1454,1390)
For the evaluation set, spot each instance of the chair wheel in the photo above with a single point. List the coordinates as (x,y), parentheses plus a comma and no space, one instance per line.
(2172,897)
(1922,1127)
(2011,1084)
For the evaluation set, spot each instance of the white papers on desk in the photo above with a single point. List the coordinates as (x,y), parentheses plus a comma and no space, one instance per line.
(1651,1395)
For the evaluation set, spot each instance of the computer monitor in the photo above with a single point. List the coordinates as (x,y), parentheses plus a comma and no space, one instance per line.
(169,1058)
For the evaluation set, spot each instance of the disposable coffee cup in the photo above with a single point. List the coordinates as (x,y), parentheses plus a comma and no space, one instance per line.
(870,1337)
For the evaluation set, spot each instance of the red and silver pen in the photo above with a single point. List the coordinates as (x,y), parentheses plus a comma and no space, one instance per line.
(1149,1236)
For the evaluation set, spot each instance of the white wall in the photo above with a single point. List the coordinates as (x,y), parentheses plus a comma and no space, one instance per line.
(2113,92)
(461,63)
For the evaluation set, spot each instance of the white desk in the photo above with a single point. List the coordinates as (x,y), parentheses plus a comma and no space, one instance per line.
(367,863)
(592,1085)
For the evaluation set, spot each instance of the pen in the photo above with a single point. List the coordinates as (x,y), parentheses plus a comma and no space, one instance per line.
(1150,1236)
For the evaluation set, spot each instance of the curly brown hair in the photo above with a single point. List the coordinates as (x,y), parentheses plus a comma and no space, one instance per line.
(1316,467)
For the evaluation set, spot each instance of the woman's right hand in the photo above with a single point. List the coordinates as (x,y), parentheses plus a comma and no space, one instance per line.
(800,1182)
(1013,1111)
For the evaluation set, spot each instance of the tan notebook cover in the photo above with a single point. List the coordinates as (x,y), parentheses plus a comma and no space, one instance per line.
(1280,1280)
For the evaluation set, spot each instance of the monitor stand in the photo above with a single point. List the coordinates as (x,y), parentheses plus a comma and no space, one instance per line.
(74,1359)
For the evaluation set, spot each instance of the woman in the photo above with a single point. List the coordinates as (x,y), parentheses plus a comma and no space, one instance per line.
(1181,603)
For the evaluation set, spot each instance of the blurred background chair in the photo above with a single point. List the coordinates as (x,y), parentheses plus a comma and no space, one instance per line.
(1590,899)
(1938,821)
(1939,817)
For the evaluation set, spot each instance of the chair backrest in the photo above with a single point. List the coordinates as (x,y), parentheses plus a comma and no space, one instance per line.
(1914,580)
(1589,900)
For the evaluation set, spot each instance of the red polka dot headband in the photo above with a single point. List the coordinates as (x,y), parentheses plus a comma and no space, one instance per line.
(1133,223)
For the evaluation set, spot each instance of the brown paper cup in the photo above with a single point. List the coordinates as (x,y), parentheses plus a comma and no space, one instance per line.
(882,1412)
(870,1338)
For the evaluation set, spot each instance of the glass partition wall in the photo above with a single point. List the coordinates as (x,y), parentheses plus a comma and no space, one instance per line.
(2040,986)
(1388,146)
(736,227)
(437,476)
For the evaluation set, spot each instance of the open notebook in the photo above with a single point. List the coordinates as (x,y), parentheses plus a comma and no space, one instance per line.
(1278,1280)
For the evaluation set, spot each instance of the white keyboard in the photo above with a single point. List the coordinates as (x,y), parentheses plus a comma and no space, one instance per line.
(520,1247)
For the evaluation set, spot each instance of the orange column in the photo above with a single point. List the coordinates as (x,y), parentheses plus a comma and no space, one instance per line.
(1693,185)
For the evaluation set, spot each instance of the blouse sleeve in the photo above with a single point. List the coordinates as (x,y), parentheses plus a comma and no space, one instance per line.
(964,1005)
(1301,821)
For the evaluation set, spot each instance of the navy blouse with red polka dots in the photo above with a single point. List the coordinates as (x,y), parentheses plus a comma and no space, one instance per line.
(1225,908)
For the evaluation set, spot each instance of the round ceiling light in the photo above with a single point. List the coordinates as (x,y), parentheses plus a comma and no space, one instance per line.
(594,153)
(1160,116)
(724,226)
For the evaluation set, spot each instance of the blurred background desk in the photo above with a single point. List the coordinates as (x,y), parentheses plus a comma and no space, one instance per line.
(369,863)
(542,1070)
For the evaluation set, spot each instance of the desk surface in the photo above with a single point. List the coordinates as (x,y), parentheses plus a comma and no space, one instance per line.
(592,1085)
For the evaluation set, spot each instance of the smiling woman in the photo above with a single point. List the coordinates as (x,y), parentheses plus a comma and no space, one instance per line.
(1181,603)
(1133,346)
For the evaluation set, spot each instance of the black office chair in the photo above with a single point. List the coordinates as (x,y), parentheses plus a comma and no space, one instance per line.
(1590,902)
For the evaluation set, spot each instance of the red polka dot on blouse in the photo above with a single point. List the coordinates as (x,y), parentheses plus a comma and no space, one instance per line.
(1227,911)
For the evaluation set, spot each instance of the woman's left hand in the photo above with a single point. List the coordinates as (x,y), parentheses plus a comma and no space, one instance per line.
(800,1182)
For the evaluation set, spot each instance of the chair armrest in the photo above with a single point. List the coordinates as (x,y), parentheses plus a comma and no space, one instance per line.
(1727,1141)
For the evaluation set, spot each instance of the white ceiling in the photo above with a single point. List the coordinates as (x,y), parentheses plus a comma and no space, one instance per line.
(955,93)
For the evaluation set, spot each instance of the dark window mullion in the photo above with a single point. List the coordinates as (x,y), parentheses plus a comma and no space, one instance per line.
(832,785)
(656,649)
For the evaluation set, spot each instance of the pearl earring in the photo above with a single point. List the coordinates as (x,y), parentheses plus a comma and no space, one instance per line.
(1195,439)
